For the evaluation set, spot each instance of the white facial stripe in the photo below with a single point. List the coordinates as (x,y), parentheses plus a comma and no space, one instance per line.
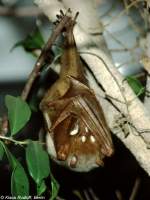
(75,130)
(92,138)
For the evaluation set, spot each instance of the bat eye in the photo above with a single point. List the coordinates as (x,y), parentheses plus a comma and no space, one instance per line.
(75,129)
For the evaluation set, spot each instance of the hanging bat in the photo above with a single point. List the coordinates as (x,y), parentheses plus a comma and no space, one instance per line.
(77,133)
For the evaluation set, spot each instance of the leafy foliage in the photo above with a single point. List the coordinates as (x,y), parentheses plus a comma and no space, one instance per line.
(1,152)
(39,168)
(37,161)
(19,182)
(41,188)
(19,179)
(32,41)
(55,187)
(135,84)
(18,113)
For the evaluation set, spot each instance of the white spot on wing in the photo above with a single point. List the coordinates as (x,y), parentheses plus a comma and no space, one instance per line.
(92,138)
(83,138)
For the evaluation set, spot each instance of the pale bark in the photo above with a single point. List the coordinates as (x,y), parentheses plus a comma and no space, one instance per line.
(146,64)
(147,96)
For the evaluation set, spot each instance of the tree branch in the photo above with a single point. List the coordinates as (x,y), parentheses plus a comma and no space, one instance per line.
(38,65)
(43,57)
(20,12)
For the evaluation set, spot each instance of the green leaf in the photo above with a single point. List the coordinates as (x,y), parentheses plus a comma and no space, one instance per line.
(37,162)
(39,168)
(41,188)
(12,160)
(31,42)
(55,187)
(135,84)
(19,179)
(19,182)
(19,113)
(1,151)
